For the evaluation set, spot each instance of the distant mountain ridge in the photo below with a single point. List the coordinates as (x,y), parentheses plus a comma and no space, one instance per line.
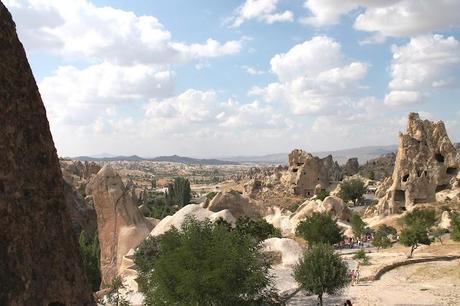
(341,156)
(170,158)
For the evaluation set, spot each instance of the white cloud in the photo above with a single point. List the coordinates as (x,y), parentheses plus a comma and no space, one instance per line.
(261,10)
(81,29)
(79,96)
(252,70)
(387,17)
(313,77)
(421,65)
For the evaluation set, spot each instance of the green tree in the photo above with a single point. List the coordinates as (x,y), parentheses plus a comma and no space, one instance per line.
(357,225)
(114,296)
(321,271)
(203,264)
(89,249)
(416,226)
(320,227)
(361,255)
(258,228)
(381,239)
(352,190)
(181,191)
(455,224)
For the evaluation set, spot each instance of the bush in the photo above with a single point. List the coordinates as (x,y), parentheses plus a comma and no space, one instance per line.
(203,264)
(320,228)
(416,226)
(352,190)
(322,195)
(358,225)
(211,195)
(259,228)
(321,271)
(89,249)
(455,231)
(361,255)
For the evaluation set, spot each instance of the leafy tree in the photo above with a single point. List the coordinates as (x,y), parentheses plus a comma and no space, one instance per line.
(358,225)
(413,236)
(203,264)
(416,226)
(320,271)
(181,191)
(89,249)
(320,227)
(352,190)
(381,239)
(455,230)
(258,228)
(422,216)
(322,195)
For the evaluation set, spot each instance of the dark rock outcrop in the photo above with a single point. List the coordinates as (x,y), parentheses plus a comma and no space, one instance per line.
(351,167)
(39,257)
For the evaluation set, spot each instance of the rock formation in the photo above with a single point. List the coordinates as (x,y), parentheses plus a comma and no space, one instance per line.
(290,250)
(308,174)
(121,226)
(351,167)
(379,168)
(196,211)
(40,262)
(238,205)
(426,163)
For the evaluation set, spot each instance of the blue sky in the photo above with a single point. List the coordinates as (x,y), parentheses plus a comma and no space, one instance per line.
(222,78)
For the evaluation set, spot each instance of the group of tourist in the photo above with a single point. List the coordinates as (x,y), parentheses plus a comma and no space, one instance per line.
(351,243)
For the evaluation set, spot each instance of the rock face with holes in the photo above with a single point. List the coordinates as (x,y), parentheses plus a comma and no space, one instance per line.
(39,259)
(308,174)
(426,163)
(120,224)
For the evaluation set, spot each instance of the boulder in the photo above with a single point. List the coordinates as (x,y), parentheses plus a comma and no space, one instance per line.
(194,211)
(337,208)
(40,261)
(426,163)
(238,205)
(121,226)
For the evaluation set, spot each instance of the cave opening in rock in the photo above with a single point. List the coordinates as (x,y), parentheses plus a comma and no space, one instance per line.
(400,195)
(405,178)
(452,171)
(439,157)
(441,187)
(295,170)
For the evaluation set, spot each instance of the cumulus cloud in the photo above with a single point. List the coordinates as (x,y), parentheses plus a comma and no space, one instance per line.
(261,10)
(424,63)
(81,29)
(387,17)
(313,77)
(79,96)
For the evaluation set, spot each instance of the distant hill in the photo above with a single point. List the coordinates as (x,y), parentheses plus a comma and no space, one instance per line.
(341,156)
(171,159)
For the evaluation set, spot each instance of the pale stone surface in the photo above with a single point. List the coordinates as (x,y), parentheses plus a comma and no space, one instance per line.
(426,163)
(237,204)
(289,249)
(445,220)
(121,226)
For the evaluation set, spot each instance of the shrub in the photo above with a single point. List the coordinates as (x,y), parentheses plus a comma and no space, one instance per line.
(258,228)
(211,195)
(322,195)
(203,264)
(320,271)
(455,223)
(320,227)
(89,249)
(361,255)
